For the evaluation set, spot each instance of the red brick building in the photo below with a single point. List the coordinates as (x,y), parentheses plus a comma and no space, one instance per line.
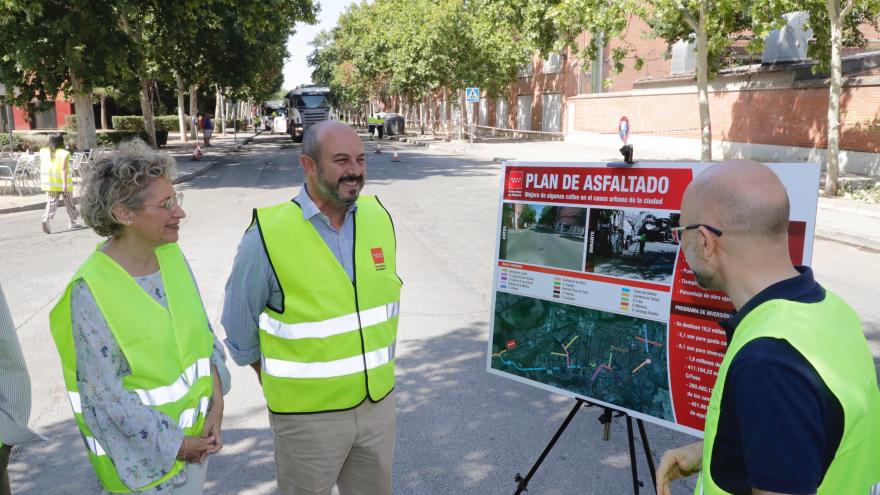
(768,112)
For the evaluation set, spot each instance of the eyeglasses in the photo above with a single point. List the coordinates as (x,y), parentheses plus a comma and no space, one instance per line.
(678,231)
(169,204)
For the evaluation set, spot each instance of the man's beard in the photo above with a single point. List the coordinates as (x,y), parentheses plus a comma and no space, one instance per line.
(330,190)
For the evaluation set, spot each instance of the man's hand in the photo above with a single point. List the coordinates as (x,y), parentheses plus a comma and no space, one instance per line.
(257,367)
(678,463)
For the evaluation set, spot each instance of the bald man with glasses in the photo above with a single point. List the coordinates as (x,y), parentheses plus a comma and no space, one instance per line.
(795,408)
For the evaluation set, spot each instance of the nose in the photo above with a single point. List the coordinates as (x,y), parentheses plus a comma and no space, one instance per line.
(178,212)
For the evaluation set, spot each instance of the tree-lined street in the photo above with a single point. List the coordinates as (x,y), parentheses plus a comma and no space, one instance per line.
(461,430)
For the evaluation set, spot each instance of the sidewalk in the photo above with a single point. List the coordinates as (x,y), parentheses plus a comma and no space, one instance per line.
(187,169)
(837,219)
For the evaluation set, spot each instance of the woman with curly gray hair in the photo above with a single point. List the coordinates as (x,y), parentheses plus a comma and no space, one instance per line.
(143,369)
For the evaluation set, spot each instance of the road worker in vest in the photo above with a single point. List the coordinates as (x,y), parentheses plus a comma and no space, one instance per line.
(144,372)
(795,408)
(57,181)
(312,305)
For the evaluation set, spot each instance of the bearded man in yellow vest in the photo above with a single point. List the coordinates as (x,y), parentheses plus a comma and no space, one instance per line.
(795,408)
(312,305)
(57,181)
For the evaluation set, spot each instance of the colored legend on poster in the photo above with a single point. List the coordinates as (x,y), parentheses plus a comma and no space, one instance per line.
(504,277)
(557,287)
(624,298)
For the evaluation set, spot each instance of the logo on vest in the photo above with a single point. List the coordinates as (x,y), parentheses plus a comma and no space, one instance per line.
(378,258)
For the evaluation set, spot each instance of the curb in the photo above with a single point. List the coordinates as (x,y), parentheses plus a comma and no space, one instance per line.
(855,210)
(864,242)
(177,180)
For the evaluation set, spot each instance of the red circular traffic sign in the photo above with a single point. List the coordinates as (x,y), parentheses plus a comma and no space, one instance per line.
(623,129)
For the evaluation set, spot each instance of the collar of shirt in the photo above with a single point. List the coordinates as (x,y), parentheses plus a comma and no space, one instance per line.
(800,288)
(310,209)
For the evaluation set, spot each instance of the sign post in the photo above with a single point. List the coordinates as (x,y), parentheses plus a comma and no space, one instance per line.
(472,95)
(623,129)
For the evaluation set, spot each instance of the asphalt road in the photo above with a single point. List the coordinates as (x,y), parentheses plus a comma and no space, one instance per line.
(461,431)
(545,249)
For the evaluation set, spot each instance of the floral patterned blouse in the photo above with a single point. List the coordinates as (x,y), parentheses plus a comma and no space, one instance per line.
(143,443)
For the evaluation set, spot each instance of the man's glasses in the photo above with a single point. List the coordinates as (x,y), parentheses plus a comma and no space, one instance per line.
(678,231)
(169,204)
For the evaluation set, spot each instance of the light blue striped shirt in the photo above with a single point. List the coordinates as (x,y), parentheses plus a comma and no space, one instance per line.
(252,285)
(15,385)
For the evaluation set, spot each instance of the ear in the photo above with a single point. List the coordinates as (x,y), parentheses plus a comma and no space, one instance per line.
(308,164)
(707,243)
(122,214)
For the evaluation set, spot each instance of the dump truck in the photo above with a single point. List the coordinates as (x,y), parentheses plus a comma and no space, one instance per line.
(306,105)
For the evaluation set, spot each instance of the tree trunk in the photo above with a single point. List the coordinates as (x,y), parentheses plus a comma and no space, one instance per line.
(462,114)
(831,185)
(104,120)
(703,87)
(147,109)
(421,117)
(180,113)
(216,102)
(86,136)
(193,111)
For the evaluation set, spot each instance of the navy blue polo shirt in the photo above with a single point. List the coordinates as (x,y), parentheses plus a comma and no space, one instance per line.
(779,425)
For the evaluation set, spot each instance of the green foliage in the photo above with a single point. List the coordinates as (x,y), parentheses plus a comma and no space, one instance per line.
(868,193)
(70,123)
(111,139)
(413,47)
(527,216)
(767,15)
(136,123)
(240,125)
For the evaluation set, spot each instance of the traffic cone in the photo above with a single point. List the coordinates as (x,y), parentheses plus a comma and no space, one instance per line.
(197,153)
(394,157)
(378,148)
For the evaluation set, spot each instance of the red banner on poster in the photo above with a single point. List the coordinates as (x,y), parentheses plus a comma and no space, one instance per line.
(653,188)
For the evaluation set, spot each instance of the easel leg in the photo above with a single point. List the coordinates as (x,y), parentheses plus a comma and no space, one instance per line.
(632,455)
(648,455)
(523,483)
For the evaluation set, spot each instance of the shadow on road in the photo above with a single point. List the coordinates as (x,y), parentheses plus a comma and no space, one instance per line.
(60,466)
(478,438)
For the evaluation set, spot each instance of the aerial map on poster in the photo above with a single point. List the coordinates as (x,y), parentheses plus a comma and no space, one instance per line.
(594,299)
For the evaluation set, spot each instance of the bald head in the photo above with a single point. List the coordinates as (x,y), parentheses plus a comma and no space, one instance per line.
(740,197)
(319,133)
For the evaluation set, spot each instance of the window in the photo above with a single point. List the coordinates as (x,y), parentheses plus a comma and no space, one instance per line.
(526,70)
(552,64)
(501,113)
(551,112)
(524,112)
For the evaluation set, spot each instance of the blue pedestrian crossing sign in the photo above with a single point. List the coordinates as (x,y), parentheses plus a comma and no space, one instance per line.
(472,95)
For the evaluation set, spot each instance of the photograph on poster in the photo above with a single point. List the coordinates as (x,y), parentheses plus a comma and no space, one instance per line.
(605,356)
(551,236)
(631,243)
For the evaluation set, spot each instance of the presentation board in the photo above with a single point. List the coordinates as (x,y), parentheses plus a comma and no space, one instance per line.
(593,298)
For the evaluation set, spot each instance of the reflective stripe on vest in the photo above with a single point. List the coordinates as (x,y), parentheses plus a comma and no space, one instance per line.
(329,369)
(168,350)
(830,337)
(52,170)
(333,326)
(332,344)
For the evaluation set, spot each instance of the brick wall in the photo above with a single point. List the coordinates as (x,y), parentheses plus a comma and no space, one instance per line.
(786,117)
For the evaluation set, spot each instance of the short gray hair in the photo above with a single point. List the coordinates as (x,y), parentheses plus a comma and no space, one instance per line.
(311,145)
(121,178)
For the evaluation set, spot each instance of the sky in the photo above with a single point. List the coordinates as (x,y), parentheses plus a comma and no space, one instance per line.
(296,69)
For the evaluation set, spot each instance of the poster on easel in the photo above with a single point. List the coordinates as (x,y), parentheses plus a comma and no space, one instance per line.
(592,296)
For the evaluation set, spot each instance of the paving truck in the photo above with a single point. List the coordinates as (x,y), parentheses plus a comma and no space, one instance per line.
(306,105)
